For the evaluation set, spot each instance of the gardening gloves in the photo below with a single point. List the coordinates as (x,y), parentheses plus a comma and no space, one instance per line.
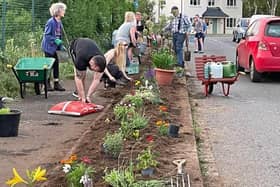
(58,41)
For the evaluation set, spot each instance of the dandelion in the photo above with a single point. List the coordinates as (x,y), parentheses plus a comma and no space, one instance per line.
(66,168)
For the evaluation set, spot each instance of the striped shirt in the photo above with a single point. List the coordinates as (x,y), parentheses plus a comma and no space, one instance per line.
(184,24)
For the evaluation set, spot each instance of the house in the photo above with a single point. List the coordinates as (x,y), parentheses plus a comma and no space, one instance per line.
(220,15)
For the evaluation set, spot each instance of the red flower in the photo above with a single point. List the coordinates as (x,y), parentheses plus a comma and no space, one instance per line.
(149,138)
(85,160)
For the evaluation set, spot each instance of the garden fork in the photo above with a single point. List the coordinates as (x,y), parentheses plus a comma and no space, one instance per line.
(180,177)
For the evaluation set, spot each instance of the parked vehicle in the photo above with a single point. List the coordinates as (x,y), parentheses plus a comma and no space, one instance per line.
(258,16)
(240,29)
(259,51)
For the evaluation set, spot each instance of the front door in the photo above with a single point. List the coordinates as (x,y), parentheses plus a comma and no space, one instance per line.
(214,21)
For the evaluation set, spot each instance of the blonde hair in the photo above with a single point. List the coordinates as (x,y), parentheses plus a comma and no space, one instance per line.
(56,8)
(129,17)
(120,55)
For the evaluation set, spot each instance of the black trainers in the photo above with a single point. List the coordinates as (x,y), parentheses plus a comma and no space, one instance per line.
(58,87)
(75,94)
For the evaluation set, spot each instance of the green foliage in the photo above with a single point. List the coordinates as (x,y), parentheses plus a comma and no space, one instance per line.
(78,170)
(146,159)
(122,112)
(163,59)
(149,183)
(5,111)
(135,100)
(121,177)
(163,130)
(66,70)
(113,143)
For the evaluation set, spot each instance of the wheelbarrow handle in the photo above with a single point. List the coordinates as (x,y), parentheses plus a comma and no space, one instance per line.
(11,67)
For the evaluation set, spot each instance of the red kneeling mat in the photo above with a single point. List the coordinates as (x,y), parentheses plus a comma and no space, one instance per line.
(75,108)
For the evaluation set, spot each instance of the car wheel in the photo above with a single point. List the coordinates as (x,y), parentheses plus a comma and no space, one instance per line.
(255,76)
(238,67)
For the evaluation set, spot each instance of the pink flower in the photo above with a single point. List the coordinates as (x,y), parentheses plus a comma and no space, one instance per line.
(85,160)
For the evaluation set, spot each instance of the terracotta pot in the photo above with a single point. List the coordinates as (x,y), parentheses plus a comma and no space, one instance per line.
(164,76)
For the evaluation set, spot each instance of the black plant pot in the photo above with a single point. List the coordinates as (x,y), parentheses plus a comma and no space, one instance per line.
(173,130)
(9,123)
(147,172)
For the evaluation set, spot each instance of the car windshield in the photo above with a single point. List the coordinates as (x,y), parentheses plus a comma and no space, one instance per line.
(244,23)
(273,29)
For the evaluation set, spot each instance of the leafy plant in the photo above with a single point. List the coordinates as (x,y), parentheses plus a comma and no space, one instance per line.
(77,172)
(149,183)
(75,175)
(122,112)
(135,100)
(163,130)
(163,59)
(33,177)
(121,177)
(135,122)
(146,159)
(113,143)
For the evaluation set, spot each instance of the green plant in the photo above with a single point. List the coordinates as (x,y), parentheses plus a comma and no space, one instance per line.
(163,130)
(149,183)
(120,177)
(113,143)
(122,112)
(135,122)
(163,59)
(76,174)
(135,100)
(146,159)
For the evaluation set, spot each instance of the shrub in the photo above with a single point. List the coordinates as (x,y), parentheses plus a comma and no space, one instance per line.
(113,143)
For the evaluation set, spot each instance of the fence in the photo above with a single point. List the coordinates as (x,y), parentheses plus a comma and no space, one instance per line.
(19,16)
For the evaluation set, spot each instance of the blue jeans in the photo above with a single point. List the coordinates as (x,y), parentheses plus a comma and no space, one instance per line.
(178,42)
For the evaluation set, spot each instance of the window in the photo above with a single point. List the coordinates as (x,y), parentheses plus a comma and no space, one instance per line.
(231,22)
(195,2)
(273,29)
(211,2)
(231,2)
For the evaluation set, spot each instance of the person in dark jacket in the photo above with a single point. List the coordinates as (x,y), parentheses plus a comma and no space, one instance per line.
(52,41)
(87,55)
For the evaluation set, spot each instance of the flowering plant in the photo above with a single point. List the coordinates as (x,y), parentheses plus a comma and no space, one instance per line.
(34,176)
(78,173)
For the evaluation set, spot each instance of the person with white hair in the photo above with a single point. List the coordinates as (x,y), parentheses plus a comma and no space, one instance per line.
(52,41)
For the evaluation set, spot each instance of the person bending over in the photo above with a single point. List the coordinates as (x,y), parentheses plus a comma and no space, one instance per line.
(86,54)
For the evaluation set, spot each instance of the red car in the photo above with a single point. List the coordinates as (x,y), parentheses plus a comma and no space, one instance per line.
(259,51)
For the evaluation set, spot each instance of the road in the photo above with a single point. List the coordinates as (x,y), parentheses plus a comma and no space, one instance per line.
(244,127)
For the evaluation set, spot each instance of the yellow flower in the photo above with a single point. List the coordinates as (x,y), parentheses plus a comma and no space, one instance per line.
(39,175)
(159,123)
(17,179)
(137,83)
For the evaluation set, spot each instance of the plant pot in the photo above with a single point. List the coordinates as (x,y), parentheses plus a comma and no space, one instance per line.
(147,172)
(173,130)
(9,123)
(164,76)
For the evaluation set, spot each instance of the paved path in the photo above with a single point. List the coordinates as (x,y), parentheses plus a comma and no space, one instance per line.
(244,127)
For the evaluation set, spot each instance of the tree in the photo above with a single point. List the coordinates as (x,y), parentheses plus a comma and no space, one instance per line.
(272,5)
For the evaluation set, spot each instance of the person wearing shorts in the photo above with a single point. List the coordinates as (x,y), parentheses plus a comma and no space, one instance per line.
(198,28)
(87,55)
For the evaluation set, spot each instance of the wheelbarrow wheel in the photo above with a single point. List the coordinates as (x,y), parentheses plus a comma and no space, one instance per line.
(37,88)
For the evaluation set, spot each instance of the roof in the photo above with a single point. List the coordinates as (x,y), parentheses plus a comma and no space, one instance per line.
(214,12)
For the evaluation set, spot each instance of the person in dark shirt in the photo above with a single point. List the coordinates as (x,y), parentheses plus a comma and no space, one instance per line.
(86,54)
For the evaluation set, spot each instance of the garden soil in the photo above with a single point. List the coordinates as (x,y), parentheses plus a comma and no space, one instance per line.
(45,139)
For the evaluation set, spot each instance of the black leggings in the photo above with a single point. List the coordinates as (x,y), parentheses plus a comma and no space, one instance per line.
(55,65)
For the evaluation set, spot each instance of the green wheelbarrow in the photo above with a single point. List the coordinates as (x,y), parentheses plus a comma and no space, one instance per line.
(33,70)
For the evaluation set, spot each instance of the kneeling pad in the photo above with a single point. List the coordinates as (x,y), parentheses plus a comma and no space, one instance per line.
(75,108)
